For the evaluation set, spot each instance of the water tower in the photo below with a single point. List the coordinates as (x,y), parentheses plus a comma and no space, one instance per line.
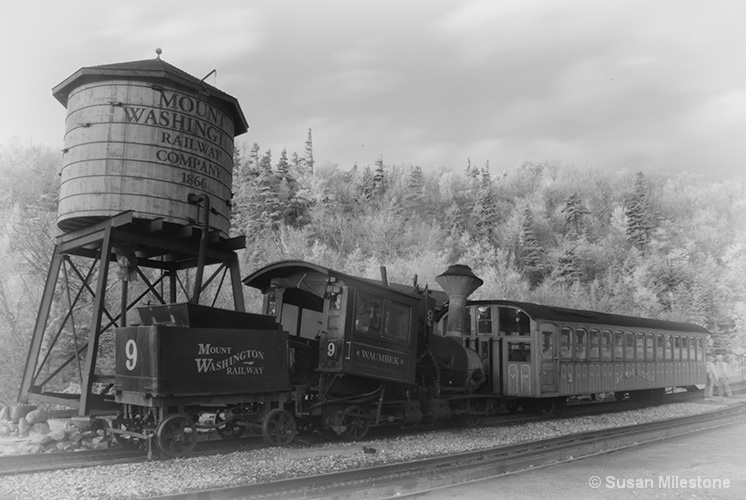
(144,206)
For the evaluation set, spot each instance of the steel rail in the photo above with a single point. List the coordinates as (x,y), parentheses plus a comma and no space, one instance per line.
(400,480)
(44,462)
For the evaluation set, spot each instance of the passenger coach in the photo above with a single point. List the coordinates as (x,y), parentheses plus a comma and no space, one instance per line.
(550,353)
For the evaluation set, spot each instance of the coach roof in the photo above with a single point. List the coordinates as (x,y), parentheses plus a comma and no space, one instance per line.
(565,315)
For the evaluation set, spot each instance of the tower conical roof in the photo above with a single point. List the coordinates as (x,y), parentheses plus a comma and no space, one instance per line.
(154,70)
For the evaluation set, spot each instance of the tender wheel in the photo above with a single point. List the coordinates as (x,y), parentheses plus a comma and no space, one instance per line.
(278,427)
(232,429)
(131,442)
(356,423)
(176,436)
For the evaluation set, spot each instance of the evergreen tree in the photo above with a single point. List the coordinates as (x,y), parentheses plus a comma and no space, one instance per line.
(414,198)
(254,156)
(575,213)
(308,159)
(485,209)
(297,162)
(532,255)
(471,172)
(366,187)
(639,215)
(283,167)
(568,269)
(379,180)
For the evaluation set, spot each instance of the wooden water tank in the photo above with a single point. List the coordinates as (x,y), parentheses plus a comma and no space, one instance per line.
(143,136)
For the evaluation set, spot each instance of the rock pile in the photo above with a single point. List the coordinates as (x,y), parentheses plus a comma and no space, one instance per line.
(29,429)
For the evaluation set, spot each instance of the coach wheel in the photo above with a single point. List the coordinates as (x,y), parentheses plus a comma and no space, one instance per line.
(513,406)
(545,406)
(176,436)
(278,427)
(231,429)
(134,425)
(355,421)
(475,413)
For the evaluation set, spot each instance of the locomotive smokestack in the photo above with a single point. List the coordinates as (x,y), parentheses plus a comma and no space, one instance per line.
(458,282)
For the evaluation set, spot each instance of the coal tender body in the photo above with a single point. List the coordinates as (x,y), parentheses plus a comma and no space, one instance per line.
(186,361)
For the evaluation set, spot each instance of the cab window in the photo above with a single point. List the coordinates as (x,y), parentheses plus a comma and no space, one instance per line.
(381,317)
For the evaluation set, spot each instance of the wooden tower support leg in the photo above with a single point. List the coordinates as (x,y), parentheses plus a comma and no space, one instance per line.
(238,302)
(98,307)
(40,327)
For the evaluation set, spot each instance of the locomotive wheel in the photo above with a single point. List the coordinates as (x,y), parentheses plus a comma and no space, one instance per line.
(356,423)
(232,429)
(513,406)
(278,427)
(176,436)
(131,442)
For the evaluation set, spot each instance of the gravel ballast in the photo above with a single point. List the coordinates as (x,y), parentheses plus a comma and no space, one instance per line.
(162,477)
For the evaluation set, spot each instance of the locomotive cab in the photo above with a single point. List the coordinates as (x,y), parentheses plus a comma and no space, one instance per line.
(357,327)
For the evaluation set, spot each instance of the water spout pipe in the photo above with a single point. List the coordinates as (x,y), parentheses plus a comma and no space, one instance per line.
(196,199)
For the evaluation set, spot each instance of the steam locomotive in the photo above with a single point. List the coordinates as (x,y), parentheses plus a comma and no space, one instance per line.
(338,353)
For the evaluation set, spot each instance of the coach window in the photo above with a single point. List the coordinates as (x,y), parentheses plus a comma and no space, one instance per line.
(565,346)
(700,349)
(468,322)
(676,348)
(606,345)
(685,348)
(513,321)
(547,345)
(581,338)
(594,339)
(669,348)
(618,346)
(484,319)
(639,347)
(629,346)
(650,347)
(660,342)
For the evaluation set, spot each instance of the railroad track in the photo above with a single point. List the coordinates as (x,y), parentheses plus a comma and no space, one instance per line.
(401,480)
(18,464)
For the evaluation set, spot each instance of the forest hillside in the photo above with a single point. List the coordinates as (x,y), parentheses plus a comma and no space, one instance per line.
(627,242)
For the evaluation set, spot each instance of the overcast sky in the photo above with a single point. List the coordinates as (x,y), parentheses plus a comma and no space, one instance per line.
(637,85)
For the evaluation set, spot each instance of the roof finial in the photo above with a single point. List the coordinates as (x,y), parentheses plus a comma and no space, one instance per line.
(158,53)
